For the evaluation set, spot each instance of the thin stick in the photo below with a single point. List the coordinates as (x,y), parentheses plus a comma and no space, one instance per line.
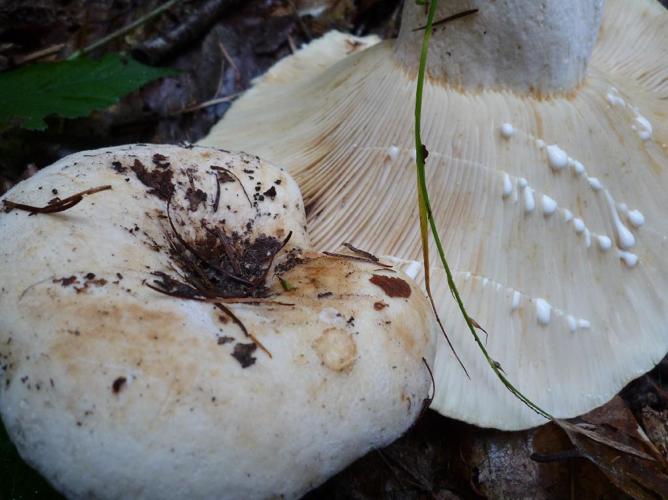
(124,30)
(229,59)
(427,401)
(364,253)
(39,54)
(206,104)
(559,456)
(291,43)
(251,301)
(300,21)
(262,279)
(216,201)
(54,206)
(238,322)
(199,296)
(357,258)
(217,302)
(448,19)
(233,175)
(447,338)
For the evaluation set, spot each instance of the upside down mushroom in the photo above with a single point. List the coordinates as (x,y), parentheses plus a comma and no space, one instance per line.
(167,333)
(548,173)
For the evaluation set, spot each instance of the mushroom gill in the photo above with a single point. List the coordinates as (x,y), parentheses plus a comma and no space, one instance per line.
(550,191)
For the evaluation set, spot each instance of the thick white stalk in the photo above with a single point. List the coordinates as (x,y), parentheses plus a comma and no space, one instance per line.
(540,46)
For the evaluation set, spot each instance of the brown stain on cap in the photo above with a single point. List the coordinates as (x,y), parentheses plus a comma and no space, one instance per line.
(393,287)
(118,384)
(336,349)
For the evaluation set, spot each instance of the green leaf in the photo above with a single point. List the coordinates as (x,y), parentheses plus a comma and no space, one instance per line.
(70,89)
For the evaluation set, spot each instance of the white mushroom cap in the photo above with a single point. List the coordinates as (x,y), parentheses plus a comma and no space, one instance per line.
(112,389)
(552,210)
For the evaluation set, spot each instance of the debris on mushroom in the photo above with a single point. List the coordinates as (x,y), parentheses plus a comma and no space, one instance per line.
(149,347)
(548,172)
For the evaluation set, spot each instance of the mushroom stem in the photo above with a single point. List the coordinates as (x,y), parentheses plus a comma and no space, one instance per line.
(542,46)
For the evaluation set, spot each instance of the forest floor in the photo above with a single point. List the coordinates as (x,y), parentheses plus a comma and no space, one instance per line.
(224,46)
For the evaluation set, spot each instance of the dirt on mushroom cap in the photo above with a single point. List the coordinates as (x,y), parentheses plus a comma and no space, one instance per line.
(221,369)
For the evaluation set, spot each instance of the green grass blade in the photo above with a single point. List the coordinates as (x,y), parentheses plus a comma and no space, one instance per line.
(427,217)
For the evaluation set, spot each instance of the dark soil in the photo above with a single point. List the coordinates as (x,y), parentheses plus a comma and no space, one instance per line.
(229,46)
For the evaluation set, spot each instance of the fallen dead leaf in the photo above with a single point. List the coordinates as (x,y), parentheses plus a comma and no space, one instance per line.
(611,438)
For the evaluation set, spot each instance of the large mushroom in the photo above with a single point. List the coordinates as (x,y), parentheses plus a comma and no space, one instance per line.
(166,333)
(548,172)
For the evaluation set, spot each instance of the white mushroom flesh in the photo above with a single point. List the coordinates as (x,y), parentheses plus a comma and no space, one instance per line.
(116,382)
